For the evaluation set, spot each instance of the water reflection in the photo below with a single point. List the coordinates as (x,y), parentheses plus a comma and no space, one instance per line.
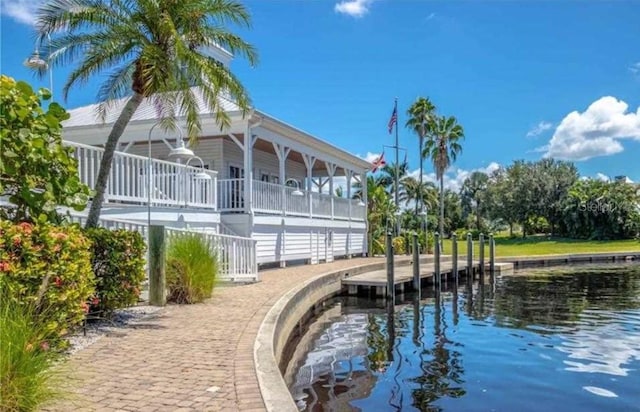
(559,335)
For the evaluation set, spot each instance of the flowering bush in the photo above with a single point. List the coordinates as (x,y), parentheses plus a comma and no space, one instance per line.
(47,267)
(117,259)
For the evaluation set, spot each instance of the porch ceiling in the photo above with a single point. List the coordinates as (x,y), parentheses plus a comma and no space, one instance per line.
(319,168)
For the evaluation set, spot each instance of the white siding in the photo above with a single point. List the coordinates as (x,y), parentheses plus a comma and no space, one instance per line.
(210,150)
(263,163)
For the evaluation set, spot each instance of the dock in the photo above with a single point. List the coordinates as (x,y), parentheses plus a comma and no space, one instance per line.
(375,282)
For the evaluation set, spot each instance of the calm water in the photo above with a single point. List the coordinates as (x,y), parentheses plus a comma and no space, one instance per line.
(555,339)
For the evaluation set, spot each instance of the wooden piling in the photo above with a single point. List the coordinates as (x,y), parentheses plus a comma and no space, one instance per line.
(469,257)
(454,257)
(481,254)
(436,263)
(390,269)
(492,254)
(416,264)
(157,275)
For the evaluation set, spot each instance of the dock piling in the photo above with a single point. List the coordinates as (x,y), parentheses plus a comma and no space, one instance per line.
(436,263)
(481,254)
(492,254)
(390,269)
(454,257)
(416,264)
(469,256)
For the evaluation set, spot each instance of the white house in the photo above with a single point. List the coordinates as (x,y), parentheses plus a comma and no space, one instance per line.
(263,179)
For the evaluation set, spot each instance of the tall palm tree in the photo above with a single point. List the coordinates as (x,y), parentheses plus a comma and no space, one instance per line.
(388,176)
(148,49)
(443,147)
(423,194)
(421,115)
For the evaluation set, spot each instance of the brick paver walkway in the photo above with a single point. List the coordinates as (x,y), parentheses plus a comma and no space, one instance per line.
(187,358)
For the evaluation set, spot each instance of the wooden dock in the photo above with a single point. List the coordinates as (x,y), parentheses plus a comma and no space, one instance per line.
(376,281)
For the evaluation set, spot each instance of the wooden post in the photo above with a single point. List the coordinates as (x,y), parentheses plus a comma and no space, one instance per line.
(157,275)
(454,257)
(436,262)
(481,254)
(390,270)
(492,254)
(469,256)
(416,264)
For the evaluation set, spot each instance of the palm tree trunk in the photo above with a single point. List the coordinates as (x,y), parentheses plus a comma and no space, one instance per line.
(107,157)
(441,211)
(478,215)
(420,194)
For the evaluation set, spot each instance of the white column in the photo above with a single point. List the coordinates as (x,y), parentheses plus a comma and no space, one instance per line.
(309,161)
(282,152)
(247,147)
(363,185)
(331,170)
(349,175)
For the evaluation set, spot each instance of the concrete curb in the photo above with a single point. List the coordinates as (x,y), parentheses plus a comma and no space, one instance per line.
(279,323)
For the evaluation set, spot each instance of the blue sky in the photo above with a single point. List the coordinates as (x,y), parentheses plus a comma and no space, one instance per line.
(525,79)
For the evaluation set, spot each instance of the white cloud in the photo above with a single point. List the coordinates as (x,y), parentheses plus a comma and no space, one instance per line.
(430,16)
(602,176)
(22,11)
(455,177)
(369,157)
(635,69)
(353,8)
(598,131)
(540,128)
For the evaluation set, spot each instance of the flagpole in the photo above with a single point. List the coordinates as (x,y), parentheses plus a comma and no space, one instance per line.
(395,108)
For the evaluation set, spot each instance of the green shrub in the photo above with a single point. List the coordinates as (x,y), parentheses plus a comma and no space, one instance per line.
(192,267)
(26,380)
(37,173)
(117,259)
(399,245)
(48,267)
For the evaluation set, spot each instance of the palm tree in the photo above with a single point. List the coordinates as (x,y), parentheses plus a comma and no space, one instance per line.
(388,176)
(473,193)
(443,147)
(148,49)
(422,194)
(421,115)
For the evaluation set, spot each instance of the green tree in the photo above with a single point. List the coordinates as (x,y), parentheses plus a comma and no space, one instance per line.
(37,173)
(442,148)
(473,193)
(155,51)
(552,180)
(421,117)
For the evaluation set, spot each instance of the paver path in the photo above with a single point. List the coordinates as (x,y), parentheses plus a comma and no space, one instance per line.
(190,357)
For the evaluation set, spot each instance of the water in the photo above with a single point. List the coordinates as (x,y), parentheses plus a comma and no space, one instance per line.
(545,340)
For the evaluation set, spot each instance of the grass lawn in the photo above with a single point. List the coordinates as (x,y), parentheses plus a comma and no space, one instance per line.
(544,246)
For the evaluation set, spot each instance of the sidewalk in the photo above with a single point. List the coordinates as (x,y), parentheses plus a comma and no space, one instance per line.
(189,357)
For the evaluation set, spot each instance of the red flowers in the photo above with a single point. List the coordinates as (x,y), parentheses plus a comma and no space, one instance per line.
(57,281)
(44,346)
(95,300)
(17,241)
(4,266)
(85,307)
(26,227)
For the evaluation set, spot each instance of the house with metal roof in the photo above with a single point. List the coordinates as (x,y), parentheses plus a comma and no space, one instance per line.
(260,179)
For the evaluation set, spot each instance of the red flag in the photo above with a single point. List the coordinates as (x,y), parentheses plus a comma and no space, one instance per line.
(394,119)
(378,163)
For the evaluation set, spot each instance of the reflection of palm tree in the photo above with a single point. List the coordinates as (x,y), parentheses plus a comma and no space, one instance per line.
(378,345)
(444,372)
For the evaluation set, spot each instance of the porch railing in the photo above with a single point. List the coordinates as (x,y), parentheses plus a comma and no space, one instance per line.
(271,198)
(236,255)
(172,184)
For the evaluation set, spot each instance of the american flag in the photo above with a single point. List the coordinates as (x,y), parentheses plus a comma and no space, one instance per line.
(378,163)
(394,119)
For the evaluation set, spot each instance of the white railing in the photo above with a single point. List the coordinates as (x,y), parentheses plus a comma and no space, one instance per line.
(172,184)
(266,197)
(113,224)
(230,195)
(271,198)
(236,255)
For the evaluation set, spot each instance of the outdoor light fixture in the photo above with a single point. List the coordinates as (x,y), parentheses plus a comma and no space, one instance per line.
(36,62)
(201,175)
(181,151)
(297,191)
